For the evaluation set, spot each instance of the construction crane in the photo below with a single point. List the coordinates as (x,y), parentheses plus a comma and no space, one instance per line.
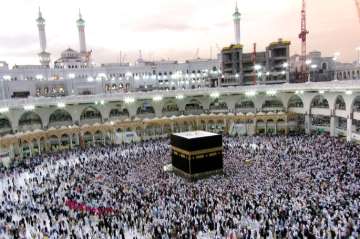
(302,36)
(357,2)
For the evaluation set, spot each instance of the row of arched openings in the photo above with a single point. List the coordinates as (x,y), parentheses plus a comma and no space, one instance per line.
(31,120)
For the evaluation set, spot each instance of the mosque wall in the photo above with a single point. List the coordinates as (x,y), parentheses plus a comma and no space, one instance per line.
(50,127)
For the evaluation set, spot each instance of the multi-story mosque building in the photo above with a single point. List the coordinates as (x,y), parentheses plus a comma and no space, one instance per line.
(74,102)
(75,73)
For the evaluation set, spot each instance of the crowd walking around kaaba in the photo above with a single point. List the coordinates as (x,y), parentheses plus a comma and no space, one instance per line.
(272,187)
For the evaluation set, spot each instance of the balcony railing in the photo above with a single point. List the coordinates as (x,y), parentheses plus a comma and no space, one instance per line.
(75,99)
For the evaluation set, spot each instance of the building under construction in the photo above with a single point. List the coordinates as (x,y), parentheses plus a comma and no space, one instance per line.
(264,67)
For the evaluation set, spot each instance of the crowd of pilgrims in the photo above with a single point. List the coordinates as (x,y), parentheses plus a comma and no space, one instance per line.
(272,187)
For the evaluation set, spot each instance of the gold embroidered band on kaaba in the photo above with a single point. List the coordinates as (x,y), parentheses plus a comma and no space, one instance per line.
(197,152)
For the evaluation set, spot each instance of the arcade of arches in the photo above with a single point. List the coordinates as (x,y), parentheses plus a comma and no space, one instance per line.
(25,133)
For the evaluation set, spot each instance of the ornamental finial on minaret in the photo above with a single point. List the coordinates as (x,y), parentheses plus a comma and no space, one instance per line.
(40,19)
(80,21)
(236,14)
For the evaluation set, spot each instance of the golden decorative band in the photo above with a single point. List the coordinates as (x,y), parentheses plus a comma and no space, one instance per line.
(197,175)
(197,152)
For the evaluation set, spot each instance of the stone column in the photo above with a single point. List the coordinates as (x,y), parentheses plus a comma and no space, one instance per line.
(71,143)
(93,139)
(255,128)
(230,123)
(266,123)
(158,109)
(39,146)
(349,129)
(332,126)
(21,151)
(46,145)
(30,149)
(113,136)
(77,139)
(59,143)
(307,124)
(225,126)
(12,151)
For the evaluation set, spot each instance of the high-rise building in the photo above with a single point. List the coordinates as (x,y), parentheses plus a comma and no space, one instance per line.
(271,66)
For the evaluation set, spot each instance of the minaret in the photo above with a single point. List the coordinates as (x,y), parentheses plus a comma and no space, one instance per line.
(81,27)
(237,17)
(43,55)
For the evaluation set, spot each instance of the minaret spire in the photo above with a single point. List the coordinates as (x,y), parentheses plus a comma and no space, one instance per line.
(81,28)
(44,56)
(237,17)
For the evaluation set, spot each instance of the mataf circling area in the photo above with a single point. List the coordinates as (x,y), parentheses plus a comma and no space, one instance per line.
(272,187)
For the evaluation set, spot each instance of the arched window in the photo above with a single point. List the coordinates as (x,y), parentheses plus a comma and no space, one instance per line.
(273,103)
(5,125)
(245,104)
(145,108)
(324,66)
(193,105)
(30,121)
(356,104)
(114,113)
(170,106)
(218,105)
(60,116)
(90,115)
(319,102)
(340,103)
(295,102)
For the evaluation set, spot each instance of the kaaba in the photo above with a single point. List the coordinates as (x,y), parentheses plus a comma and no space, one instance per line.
(196,154)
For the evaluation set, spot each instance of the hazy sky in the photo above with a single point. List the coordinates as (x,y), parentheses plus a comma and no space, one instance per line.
(173,28)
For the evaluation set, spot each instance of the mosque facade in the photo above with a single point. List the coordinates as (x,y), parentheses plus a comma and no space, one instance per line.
(72,100)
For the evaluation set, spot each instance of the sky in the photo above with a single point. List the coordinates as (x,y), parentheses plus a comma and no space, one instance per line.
(173,29)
